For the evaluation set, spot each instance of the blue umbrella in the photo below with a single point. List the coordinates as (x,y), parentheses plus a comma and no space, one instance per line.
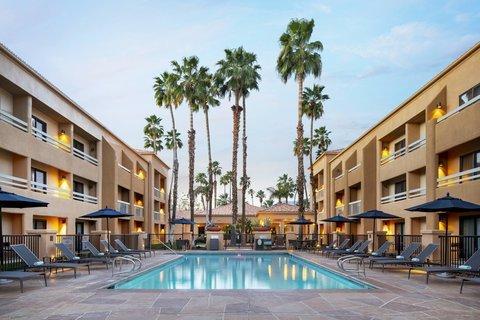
(182,221)
(107,213)
(374,214)
(12,200)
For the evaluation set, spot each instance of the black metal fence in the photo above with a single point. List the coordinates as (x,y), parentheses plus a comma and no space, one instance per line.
(75,242)
(130,240)
(10,259)
(399,242)
(455,250)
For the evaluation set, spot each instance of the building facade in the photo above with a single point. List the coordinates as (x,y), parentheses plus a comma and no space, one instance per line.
(54,151)
(427,147)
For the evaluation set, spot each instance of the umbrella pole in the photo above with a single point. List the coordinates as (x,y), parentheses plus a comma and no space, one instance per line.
(374,230)
(108,232)
(446,240)
(1,240)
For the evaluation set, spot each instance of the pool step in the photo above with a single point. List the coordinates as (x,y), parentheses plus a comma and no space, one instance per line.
(249,248)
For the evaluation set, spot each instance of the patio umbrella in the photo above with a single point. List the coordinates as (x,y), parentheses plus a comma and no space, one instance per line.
(12,200)
(301,221)
(107,213)
(339,219)
(183,222)
(446,205)
(374,214)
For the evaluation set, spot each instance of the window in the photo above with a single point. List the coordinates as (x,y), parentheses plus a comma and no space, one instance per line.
(78,187)
(39,224)
(40,179)
(78,145)
(400,187)
(40,126)
(469,95)
(399,145)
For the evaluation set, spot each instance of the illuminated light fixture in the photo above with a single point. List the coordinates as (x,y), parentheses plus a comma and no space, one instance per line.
(438,112)
(339,203)
(141,175)
(338,229)
(139,203)
(385,228)
(63,137)
(442,172)
(385,153)
(139,229)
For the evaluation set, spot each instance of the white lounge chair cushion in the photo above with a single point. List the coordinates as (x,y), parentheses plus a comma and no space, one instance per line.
(101,254)
(400,257)
(415,260)
(374,253)
(464,267)
(76,258)
(356,251)
(38,263)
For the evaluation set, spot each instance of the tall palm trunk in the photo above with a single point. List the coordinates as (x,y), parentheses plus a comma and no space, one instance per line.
(236,124)
(215,190)
(300,168)
(191,168)
(210,177)
(244,171)
(175,168)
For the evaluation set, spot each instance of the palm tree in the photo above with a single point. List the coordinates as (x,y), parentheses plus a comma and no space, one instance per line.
(169,95)
(267,203)
(233,72)
(207,96)
(299,57)
(216,171)
(260,195)
(313,99)
(225,180)
(202,189)
(321,139)
(172,143)
(153,132)
(251,192)
(187,72)
(223,199)
(275,193)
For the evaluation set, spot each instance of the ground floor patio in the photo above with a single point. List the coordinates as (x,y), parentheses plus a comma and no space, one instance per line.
(86,298)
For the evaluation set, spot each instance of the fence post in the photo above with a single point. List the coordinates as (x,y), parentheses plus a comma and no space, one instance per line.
(142,237)
(103,234)
(46,243)
(433,236)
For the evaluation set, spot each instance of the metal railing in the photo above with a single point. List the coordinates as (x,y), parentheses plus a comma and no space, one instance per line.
(49,139)
(393,197)
(355,167)
(417,192)
(123,207)
(459,108)
(416,144)
(56,192)
(138,211)
(156,215)
(339,176)
(455,250)
(12,181)
(84,197)
(397,154)
(11,261)
(124,168)
(339,210)
(355,207)
(399,242)
(156,192)
(459,177)
(75,242)
(14,121)
(130,240)
(320,193)
(82,155)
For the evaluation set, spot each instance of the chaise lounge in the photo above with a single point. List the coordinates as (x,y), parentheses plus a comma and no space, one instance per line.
(21,276)
(73,258)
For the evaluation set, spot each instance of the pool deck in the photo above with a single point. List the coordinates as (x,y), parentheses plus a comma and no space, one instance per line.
(85,298)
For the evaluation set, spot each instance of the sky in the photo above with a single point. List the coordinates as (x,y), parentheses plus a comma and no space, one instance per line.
(105,54)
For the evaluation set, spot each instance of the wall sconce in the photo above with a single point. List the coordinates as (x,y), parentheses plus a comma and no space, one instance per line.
(439,105)
(385,153)
(439,111)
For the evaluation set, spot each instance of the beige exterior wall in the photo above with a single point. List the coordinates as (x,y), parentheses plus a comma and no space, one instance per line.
(23,94)
(420,144)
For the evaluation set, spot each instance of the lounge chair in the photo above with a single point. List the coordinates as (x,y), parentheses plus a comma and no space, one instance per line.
(417,261)
(360,251)
(345,251)
(21,276)
(73,258)
(474,280)
(404,255)
(114,252)
(472,265)
(342,246)
(123,248)
(32,261)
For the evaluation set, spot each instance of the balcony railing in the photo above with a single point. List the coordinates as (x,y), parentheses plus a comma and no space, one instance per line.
(54,191)
(49,139)
(339,210)
(397,154)
(14,121)
(11,181)
(123,207)
(355,167)
(417,192)
(394,197)
(339,176)
(459,177)
(138,211)
(320,192)
(156,192)
(85,197)
(458,109)
(416,144)
(82,155)
(355,207)
(156,215)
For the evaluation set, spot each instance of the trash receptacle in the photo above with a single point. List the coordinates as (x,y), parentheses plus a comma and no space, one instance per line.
(214,244)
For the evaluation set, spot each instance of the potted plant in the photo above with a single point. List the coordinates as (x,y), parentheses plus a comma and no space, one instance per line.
(213,228)
(261,225)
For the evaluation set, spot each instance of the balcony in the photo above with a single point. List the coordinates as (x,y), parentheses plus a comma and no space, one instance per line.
(11,181)
(124,168)
(82,155)
(397,154)
(394,197)
(339,176)
(354,167)
(50,140)
(459,177)
(416,144)
(54,191)
(339,210)
(156,192)
(458,109)
(156,215)
(14,121)
(414,193)
(85,198)
(123,207)
(355,207)
(319,193)
(138,211)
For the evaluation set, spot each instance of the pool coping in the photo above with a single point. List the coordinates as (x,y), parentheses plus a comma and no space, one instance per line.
(369,286)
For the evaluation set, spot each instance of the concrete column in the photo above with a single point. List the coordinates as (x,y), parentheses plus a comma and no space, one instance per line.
(142,238)
(27,220)
(22,109)
(46,243)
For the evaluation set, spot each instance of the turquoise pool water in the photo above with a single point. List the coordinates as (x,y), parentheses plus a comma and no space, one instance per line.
(244,271)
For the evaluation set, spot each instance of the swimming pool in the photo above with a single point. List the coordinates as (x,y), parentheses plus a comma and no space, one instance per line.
(240,271)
